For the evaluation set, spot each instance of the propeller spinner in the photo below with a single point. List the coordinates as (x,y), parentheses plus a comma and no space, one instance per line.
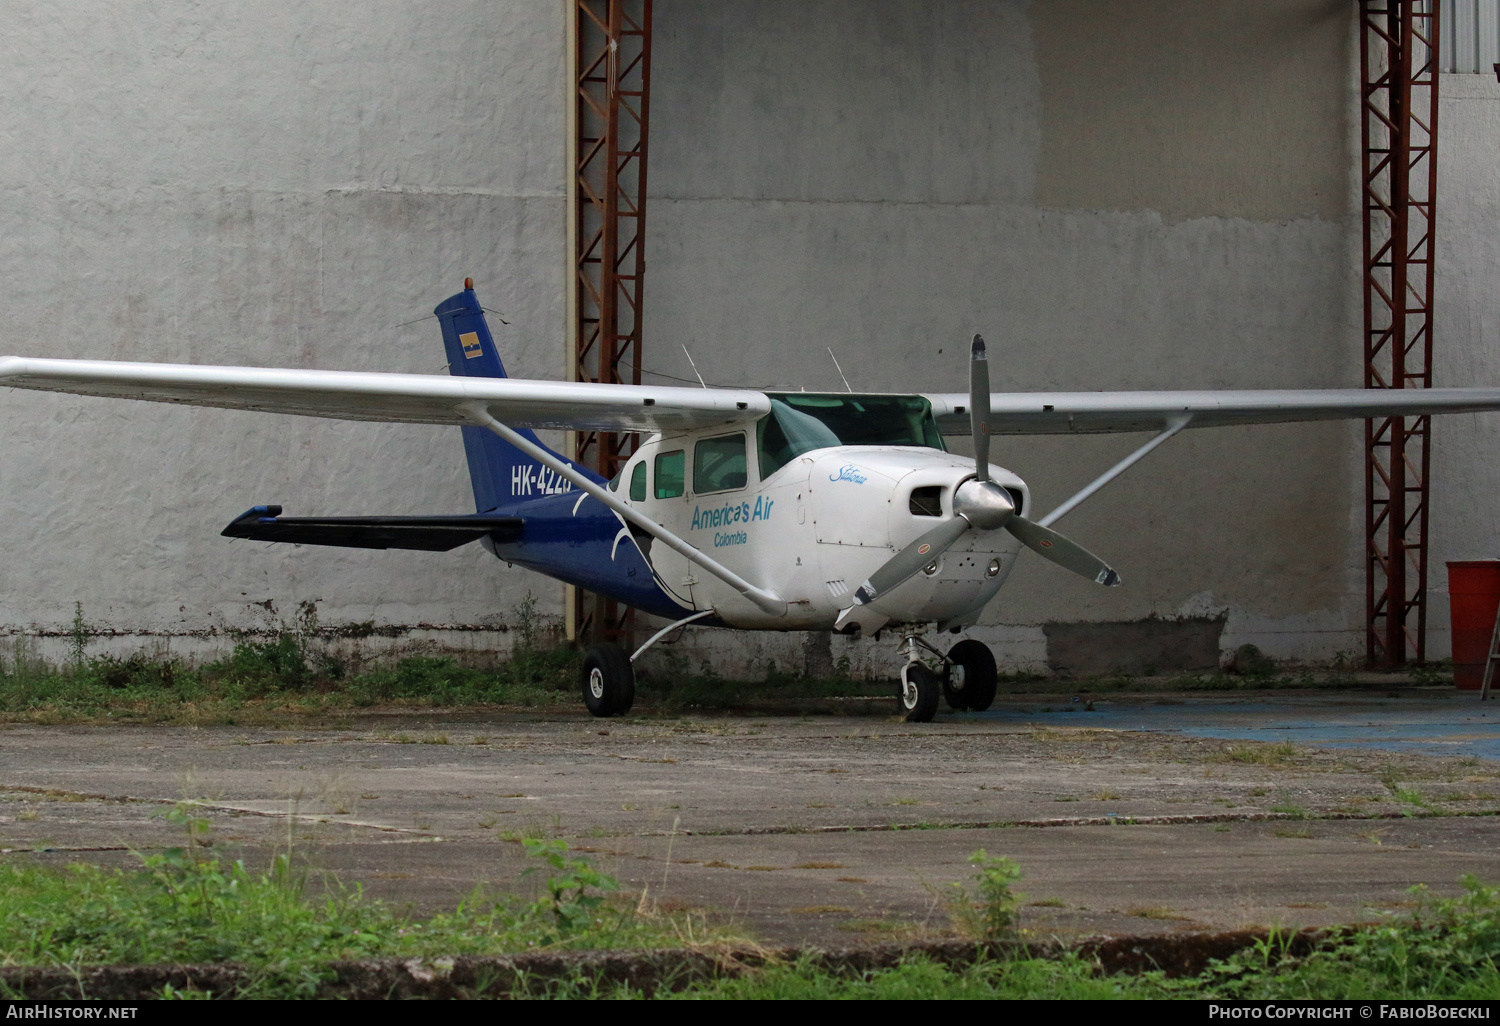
(981,505)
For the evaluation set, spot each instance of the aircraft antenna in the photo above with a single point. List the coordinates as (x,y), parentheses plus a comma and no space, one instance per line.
(839,369)
(694,366)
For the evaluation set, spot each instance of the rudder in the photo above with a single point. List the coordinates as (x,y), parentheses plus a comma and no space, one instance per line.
(501,474)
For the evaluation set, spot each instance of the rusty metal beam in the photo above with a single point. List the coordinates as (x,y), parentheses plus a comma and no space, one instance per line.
(611,118)
(1398,45)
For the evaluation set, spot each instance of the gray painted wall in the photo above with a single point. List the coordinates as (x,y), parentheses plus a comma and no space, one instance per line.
(1466,337)
(1110,209)
(267,183)
(289,184)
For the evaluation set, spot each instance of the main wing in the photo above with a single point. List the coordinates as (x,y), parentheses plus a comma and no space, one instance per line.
(1065,413)
(522,403)
(404,398)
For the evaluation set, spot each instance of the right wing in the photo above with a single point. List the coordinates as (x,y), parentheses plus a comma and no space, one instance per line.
(401,398)
(1066,413)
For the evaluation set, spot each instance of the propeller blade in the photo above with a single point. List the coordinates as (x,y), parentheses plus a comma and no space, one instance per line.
(979,408)
(911,559)
(1050,545)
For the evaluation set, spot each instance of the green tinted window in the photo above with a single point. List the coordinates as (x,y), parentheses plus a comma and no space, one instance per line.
(803,421)
(719,464)
(671,470)
(638,482)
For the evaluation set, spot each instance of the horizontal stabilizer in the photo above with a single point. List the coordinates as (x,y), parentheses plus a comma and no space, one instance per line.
(431,534)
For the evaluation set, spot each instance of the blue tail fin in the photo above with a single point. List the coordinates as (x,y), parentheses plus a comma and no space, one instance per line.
(502,475)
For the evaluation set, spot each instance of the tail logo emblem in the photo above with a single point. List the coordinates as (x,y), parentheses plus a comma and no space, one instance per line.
(470,342)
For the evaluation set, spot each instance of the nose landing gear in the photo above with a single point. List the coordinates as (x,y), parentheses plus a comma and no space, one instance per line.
(920,688)
(968,680)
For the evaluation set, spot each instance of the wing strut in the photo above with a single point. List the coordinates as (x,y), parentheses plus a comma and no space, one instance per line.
(765,599)
(669,628)
(1174,425)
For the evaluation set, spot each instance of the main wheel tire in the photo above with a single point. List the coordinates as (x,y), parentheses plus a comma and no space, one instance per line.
(920,691)
(969,676)
(608,681)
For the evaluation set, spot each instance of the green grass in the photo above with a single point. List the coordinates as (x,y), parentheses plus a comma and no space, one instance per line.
(920,978)
(1258,754)
(284,675)
(1445,950)
(183,908)
(278,675)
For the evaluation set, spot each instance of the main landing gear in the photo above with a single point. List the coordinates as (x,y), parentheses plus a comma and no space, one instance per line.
(608,681)
(609,677)
(967,682)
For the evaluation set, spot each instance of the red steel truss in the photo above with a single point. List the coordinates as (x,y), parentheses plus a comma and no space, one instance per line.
(612,41)
(1398,45)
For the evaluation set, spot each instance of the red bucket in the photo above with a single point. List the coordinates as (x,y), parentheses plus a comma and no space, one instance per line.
(1473,599)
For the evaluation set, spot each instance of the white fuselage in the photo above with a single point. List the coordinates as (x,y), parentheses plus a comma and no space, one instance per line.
(816,528)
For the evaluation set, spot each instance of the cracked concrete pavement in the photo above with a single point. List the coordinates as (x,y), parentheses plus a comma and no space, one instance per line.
(799,830)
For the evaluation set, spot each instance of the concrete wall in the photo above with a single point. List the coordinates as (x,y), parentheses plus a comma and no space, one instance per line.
(1117,193)
(268,183)
(1466,336)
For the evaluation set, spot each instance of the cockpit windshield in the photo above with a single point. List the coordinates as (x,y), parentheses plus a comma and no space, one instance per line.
(802,421)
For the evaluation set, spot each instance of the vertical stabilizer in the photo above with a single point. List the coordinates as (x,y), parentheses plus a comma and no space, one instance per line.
(502,475)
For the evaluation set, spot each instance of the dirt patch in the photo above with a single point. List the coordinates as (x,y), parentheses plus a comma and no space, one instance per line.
(647,971)
(1139,647)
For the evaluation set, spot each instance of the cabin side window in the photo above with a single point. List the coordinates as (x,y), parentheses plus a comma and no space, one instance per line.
(638,482)
(719,464)
(671,472)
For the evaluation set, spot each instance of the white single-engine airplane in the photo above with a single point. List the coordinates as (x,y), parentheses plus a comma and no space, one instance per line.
(743,509)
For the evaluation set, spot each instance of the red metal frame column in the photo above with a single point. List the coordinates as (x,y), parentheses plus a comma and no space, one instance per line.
(1398,45)
(612,49)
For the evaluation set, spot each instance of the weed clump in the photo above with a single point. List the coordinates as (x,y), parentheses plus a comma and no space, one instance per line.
(1258,754)
(988,911)
(185,907)
(259,667)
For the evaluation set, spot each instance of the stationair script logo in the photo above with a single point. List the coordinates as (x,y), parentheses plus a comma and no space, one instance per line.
(728,515)
(848,472)
(535,480)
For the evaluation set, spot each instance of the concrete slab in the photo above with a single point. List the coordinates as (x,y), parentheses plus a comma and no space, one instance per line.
(815,830)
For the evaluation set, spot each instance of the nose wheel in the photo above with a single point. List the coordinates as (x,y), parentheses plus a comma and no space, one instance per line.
(920,690)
